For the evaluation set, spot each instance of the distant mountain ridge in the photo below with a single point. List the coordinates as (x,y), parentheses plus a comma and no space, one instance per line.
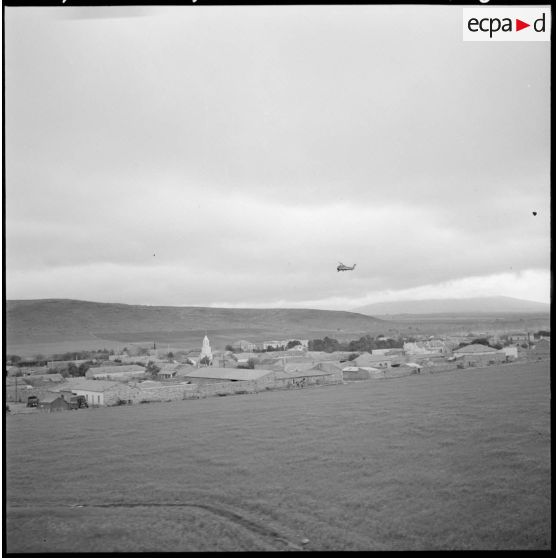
(493,304)
(50,321)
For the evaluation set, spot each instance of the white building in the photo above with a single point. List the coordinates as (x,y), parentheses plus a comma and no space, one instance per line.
(206,350)
(510,352)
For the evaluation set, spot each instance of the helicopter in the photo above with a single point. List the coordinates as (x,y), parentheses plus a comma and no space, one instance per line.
(343,267)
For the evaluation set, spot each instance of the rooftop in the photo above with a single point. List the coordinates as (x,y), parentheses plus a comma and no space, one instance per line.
(476,348)
(87,385)
(116,369)
(215,373)
(49,398)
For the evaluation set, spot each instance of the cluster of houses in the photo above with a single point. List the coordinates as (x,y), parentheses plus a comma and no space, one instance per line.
(127,379)
(251,347)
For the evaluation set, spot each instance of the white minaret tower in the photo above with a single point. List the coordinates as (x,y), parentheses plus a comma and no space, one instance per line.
(206,350)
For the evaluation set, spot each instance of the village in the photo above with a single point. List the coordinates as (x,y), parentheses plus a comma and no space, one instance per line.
(138,374)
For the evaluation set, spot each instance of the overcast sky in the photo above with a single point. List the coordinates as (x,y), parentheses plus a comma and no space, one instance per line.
(232,156)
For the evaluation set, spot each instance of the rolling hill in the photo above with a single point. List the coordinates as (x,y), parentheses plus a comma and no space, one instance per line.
(41,325)
(480,305)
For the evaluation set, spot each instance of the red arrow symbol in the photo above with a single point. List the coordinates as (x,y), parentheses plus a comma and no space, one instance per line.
(519,25)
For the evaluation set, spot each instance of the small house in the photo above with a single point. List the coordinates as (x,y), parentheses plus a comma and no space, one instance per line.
(99,392)
(511,352)
(478,355)
(415,368)
(168,371)
(378,361)
(52,403)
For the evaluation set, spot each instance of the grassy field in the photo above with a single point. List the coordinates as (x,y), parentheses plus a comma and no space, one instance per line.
(459,460)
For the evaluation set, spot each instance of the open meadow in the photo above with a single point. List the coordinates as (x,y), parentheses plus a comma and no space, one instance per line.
(457,460)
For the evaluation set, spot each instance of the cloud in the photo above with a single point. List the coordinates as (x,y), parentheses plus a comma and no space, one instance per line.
(250,173)
(232,248)
(532,284)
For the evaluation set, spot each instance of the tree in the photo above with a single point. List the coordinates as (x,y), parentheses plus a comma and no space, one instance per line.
(330,345)
(170,355)
(73,369)
(205,361)
(83,368)
(251,364)
(152,369)
(352,356)
(316,345)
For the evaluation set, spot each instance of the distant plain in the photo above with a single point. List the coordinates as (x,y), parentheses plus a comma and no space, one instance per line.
(457,460)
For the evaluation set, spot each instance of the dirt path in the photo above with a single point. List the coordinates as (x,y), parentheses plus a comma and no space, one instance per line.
(268,534)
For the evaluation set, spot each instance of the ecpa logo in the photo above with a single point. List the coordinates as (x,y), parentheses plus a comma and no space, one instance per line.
(506,24)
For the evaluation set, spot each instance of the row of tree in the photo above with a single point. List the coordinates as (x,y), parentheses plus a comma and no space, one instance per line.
(268,349)
(41,360)
(366,343)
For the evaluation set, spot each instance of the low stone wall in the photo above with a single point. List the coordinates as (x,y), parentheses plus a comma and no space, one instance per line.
(22,393)
(228,388)
(399,372)
(471,361)
(304,381)
(439,368)
(386,373)
(173,392)
(352,375)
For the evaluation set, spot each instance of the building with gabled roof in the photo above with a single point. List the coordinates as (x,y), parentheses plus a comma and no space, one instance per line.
(98,392)
(378,361)
(168,370)
(478,355)
(244,346)
(475,349)
(244,357)
(53,402)
(332,367)
(292,367)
